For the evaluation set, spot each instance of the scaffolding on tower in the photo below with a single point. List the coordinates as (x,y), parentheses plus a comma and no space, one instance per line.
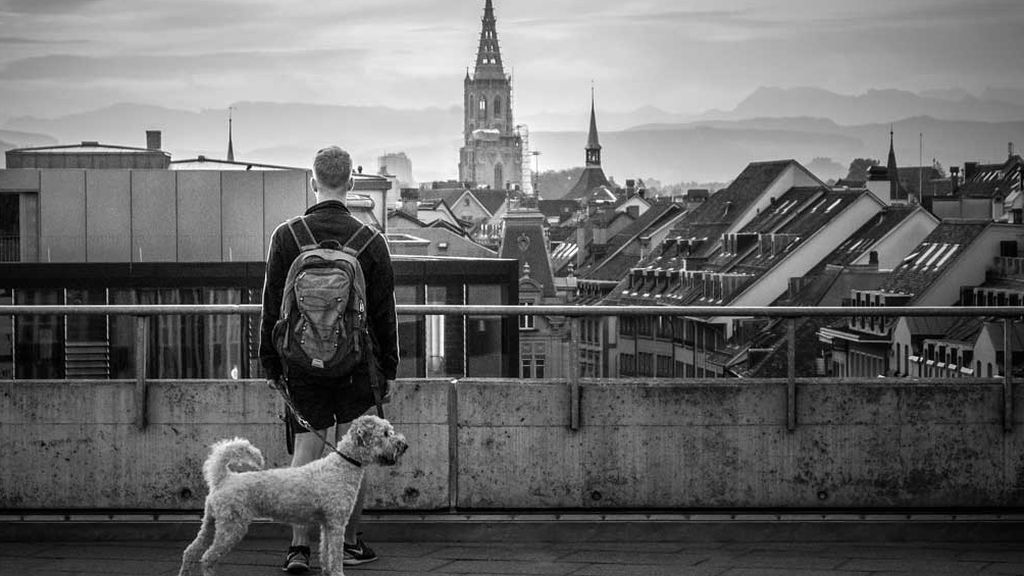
(523,132)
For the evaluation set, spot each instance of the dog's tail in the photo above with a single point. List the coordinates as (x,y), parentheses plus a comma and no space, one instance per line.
(234,455)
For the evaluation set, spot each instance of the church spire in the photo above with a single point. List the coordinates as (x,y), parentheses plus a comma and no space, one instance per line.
(231,147)
(488,55)
(593,145)
(892,170)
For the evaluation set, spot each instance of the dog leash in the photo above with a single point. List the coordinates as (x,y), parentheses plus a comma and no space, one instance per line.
(278,384)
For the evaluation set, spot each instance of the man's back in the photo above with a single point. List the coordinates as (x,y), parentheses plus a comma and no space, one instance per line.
(331,221)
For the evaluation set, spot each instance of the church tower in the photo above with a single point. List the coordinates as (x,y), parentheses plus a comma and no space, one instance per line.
(492,153)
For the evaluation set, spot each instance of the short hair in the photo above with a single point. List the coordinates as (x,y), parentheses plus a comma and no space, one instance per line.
(332,167)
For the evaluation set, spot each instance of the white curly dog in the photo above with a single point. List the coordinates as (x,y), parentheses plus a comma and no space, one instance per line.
(322,492)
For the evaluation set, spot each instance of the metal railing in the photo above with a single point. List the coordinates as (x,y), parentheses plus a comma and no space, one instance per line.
(575,313)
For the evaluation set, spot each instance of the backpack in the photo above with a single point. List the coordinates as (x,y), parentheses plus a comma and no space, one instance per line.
(322,330)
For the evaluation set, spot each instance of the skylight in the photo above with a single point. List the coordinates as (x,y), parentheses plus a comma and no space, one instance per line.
(833,205)
(935,256)
(927,253)
(952,250)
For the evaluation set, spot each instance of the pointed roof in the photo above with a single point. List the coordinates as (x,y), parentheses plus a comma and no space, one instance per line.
(592,142)
(893,171)
(488,54)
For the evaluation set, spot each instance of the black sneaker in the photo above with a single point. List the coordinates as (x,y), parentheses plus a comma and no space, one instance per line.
(358,553)
(297,561)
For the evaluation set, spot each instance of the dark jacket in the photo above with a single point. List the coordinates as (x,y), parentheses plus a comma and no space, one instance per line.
(331,220)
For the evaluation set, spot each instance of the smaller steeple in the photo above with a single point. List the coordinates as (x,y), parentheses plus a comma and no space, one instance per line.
(593,145)
(231,147)
(892,170)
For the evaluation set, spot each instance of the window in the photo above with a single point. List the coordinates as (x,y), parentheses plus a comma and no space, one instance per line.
(645,364)
(526,322)
(499,177)
(532,359)
(482,108)
(497,106)
(10,228)
(664,367)
(627,365)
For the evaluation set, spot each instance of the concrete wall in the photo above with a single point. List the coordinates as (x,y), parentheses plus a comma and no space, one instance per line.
(648,445)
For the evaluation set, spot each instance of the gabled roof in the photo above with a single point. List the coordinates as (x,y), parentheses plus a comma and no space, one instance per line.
(933,256)
(870,233)
(561,208)
(711,218)
(991,180)
(490,199)
(590,183)
(619,259)
(818,212)
(449,195)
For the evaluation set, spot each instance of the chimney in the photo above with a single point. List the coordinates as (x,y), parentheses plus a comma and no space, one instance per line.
(1009,148)
(633,211)
(954,175)
(873,258)
(410,201)
(630,188)
(153,139)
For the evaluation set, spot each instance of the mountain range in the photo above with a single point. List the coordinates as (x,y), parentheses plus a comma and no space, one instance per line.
(772,123)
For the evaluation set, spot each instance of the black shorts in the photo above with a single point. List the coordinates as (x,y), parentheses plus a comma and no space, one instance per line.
(326,402)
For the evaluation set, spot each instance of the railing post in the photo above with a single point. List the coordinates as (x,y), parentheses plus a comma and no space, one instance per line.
(1007,374)
(141,385)
(574,373)
(791,375)
(453,445)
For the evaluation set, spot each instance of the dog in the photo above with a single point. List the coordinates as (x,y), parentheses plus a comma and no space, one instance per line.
(322,492)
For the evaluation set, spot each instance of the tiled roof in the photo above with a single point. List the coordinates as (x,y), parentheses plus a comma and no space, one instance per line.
(868,234)
(449,195)
(561,209)
(590,179)
(620,258)
(711,218)
(808,210)
(491,199)
(933,256)
(990,180)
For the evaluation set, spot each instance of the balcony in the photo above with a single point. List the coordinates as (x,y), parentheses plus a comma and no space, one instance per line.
(583,445)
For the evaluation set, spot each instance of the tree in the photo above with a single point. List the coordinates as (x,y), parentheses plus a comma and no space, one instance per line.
(859,168)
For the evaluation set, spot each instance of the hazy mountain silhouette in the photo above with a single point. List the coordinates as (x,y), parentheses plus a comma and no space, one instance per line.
(872,106)
(10,139)
(773,123)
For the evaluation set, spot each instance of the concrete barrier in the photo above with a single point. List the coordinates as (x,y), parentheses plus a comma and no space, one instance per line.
(659,445)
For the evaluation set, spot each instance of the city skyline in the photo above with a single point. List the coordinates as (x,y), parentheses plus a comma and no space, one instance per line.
(68,56)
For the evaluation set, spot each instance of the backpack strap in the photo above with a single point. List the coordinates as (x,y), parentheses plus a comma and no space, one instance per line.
(356,248)
(298,227)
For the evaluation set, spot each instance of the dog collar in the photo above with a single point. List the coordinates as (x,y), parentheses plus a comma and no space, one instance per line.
(350,459)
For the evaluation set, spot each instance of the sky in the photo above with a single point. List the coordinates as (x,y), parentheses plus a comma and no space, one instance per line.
(685,56)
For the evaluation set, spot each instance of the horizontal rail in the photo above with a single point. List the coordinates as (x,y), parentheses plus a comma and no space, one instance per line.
(572,311)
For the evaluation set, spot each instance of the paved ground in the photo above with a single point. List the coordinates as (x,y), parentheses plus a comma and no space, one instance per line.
(262,557)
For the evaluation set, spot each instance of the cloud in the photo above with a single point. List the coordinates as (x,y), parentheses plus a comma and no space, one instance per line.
(44,6)
(70,67)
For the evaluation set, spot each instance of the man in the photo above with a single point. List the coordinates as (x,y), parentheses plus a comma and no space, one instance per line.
(331,403)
